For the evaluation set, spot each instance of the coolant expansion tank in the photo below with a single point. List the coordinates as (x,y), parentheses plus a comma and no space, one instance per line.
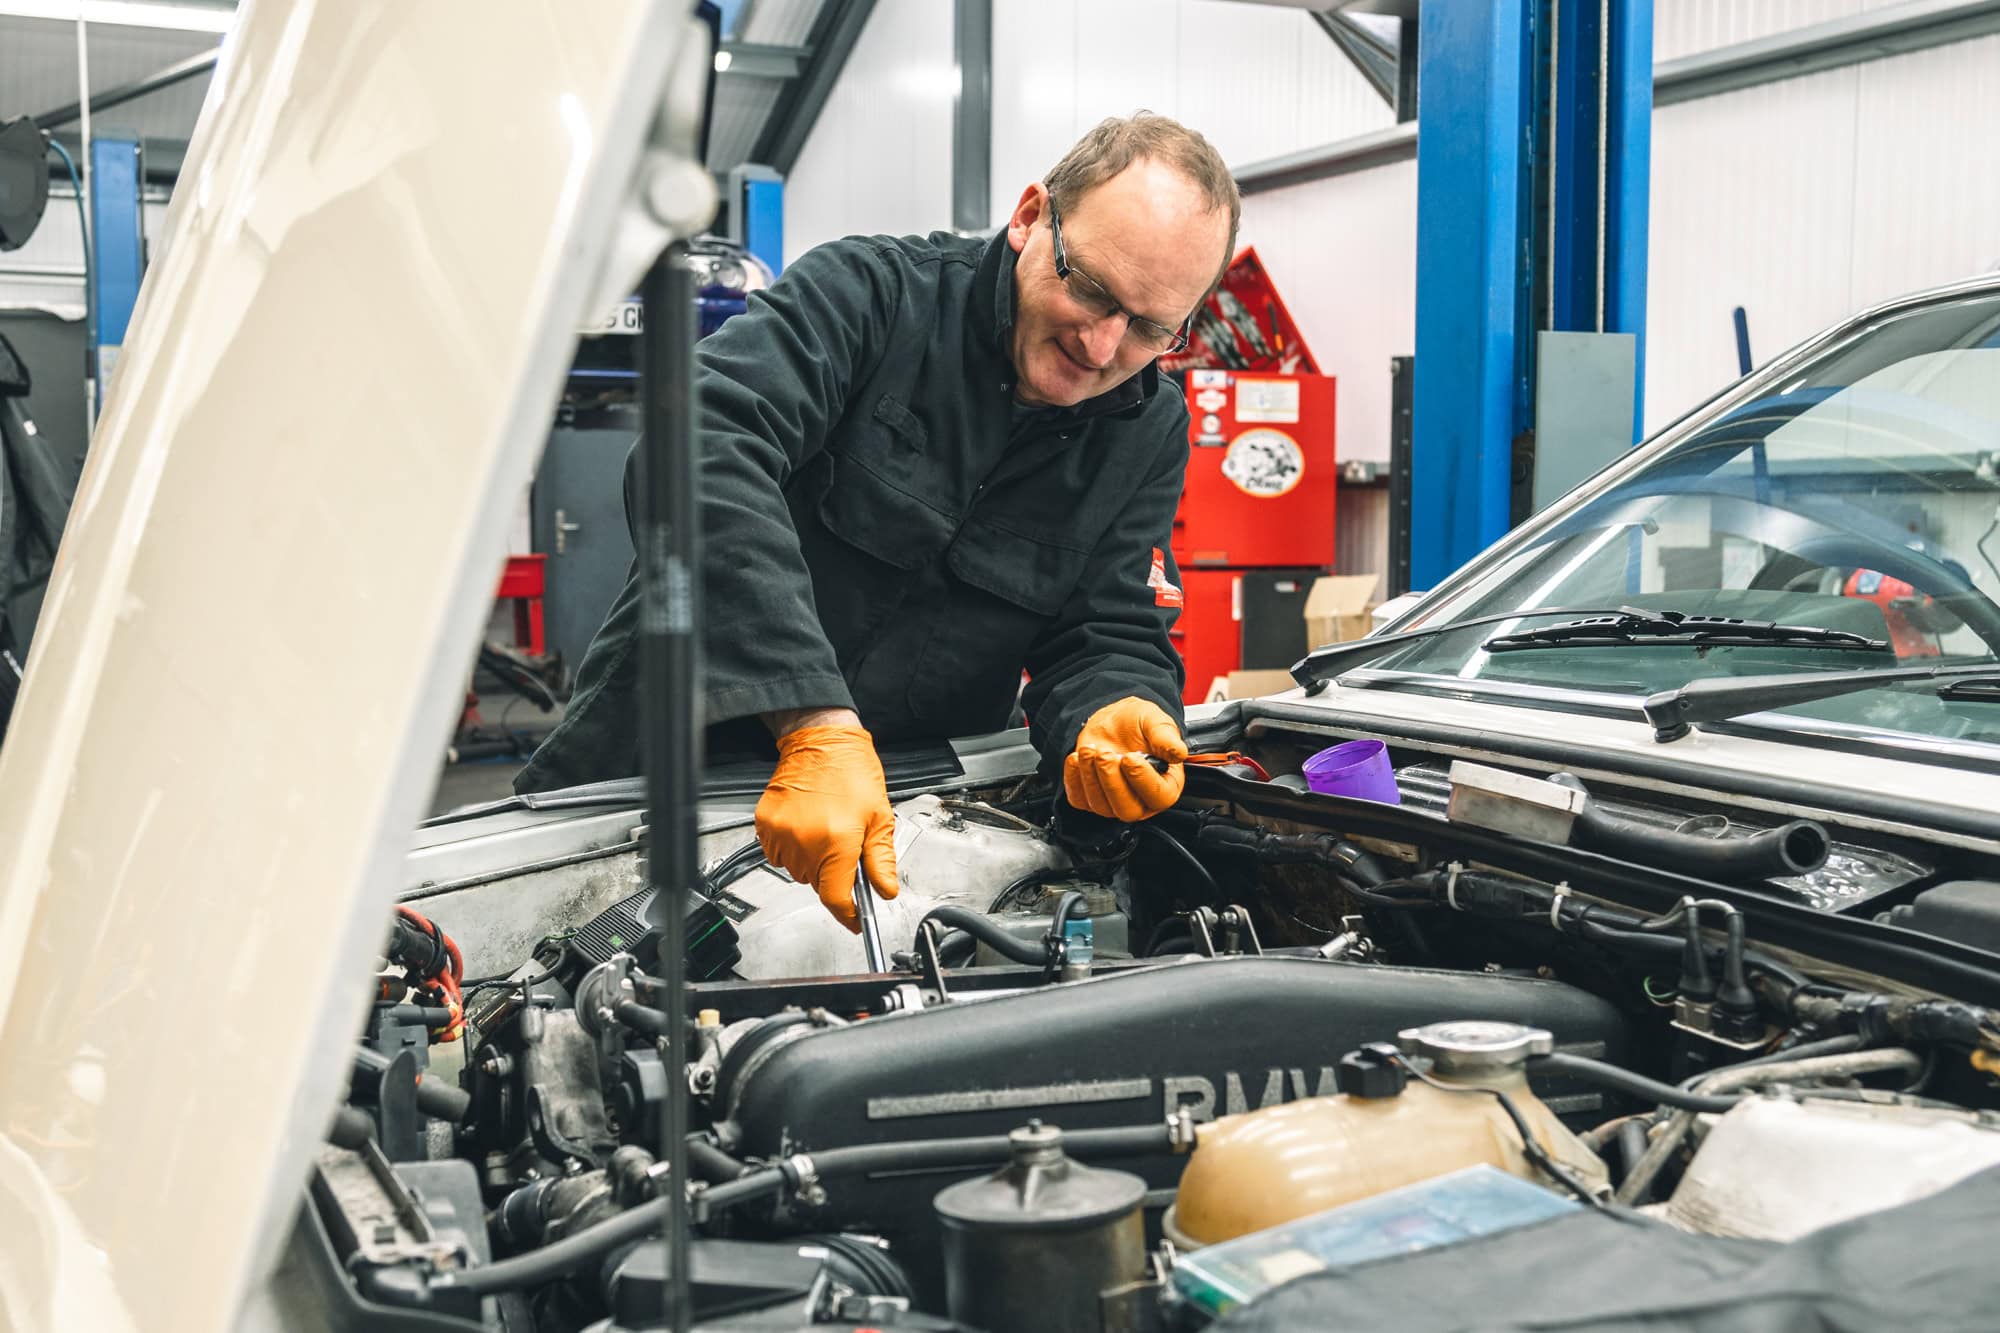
(1254,1171)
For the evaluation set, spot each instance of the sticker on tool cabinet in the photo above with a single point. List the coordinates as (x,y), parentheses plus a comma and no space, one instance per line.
(1211,400)
(1274,401)
(1211,424)
(1264,463)
(1209,379)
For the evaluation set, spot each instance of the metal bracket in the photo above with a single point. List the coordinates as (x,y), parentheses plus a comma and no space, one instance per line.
(1199,919)
(929,967)
(1238,935)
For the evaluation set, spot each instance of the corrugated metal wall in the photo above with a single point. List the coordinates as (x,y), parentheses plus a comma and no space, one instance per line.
(1688,27)
(1258,81)
(1806,200)
(879,158)
(1344,256)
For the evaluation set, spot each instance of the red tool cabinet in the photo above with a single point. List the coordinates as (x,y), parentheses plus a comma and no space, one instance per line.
(1260,495)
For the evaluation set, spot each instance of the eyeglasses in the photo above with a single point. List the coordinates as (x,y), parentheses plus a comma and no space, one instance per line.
(1089,293)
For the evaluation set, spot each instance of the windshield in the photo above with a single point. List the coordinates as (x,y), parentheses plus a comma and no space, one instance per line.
(1862,494)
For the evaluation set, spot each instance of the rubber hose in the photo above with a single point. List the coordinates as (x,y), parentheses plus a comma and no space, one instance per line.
(1804,1051)
(956,949)
(1171,929)
(640,1018)
(708,1162)
(860,1159)
(573,1252)
(988,932)
(1631,1145)
(1797,848)
(1159,834)
(425,1015)
(868,1269)
(1625,1081)
(435,1098)
(1359,865)
(351,1129)
(1071,904)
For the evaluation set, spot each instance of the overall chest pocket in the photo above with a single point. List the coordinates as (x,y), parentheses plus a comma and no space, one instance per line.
(881,490)
(1033,571)
(1007,587)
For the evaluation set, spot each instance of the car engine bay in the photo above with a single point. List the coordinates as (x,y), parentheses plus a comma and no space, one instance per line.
(1145,1077)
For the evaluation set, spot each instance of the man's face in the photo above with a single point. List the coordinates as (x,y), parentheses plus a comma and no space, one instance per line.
(1147,237)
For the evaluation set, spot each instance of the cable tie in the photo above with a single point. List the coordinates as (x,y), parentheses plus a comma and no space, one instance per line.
(1451,885)
(1556,906)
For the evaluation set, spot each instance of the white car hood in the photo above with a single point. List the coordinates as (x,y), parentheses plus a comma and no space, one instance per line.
(335,388)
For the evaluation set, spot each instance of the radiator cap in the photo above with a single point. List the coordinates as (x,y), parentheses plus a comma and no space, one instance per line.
(1476,1046)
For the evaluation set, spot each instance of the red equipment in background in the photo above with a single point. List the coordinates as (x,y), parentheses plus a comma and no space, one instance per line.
(1244,326)
(1259,501)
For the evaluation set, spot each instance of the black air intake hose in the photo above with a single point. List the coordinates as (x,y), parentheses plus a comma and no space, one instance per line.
(867,1268)
(987,932)
(1797,848)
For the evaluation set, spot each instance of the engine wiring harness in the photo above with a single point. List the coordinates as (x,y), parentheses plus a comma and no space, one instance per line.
(432,966)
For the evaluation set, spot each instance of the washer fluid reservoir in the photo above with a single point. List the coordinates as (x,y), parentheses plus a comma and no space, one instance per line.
(1385,1130)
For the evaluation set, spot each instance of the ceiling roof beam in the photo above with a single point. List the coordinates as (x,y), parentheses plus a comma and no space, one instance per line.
(834,34)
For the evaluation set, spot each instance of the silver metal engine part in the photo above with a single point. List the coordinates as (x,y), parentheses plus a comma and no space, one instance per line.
(947,851)
(1775,1169)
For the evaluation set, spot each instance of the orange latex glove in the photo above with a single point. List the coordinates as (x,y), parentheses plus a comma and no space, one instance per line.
(826,811)
(1108,774)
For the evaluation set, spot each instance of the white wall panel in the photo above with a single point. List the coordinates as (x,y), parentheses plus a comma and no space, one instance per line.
(1034,93)
(1127,59)
(1686,27)
(1262,81)
(1806,200)
(1361,532)
(1343,254)
(1258,81)
(879,158)
(1753,199)
(1927,160)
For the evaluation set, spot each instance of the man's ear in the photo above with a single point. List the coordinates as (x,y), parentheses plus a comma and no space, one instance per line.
(1034,204)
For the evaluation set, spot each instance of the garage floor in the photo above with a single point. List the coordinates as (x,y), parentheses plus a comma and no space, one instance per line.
(473,782)
(491,778)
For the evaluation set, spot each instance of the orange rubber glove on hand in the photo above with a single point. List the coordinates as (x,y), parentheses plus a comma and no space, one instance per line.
(825,811)
(1108,774)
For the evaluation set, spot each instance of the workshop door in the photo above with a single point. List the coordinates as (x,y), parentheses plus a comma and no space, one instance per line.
(579,523)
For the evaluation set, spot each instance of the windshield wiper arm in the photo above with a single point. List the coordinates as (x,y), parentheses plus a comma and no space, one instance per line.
(1673,713)
(1321,665)
(1667,629)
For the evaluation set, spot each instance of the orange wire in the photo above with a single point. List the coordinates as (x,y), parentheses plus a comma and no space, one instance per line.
(449,977)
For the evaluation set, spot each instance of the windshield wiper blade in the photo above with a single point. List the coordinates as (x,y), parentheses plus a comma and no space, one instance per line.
(1674,713)
(1321,665)
(1667,629)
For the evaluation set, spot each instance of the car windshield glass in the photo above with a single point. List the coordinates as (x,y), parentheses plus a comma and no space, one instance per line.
(1861,494)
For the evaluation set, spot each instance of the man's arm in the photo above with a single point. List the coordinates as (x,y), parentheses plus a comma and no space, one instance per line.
(1110,640)
(784,721)
(773,382)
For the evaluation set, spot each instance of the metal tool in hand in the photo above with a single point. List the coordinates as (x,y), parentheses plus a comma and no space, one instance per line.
(871,933)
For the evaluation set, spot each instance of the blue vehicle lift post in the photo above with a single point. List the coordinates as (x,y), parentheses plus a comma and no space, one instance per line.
(757,213)
(1533,152)
(118,250)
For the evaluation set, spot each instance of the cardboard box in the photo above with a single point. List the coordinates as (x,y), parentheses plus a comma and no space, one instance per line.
(1248,685)
(1338,607)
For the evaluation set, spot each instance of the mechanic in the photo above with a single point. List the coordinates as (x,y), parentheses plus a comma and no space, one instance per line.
(929,464)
